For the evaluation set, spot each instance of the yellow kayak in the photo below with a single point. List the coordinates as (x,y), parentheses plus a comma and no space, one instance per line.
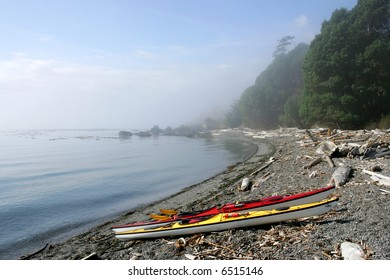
(225,221)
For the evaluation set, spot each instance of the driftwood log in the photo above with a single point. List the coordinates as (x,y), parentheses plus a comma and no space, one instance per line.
(245,184)
(311,136)
(381,179)
(340,175)
(313,162)
(271,160)
(318,160)
(261,180)
(329,160)
(327,148)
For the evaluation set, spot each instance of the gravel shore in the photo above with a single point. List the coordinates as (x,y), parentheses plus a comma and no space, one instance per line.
(361,217)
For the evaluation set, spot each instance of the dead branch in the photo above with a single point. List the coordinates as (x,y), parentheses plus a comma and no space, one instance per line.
(263,167)
(314,139)
(313,162)
(329,161)
(261,180)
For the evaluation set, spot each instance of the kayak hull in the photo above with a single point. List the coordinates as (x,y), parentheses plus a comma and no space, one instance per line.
(223,221)
(255,205)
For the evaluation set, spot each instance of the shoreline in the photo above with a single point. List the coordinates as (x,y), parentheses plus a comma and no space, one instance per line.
(140,212)
(317,238)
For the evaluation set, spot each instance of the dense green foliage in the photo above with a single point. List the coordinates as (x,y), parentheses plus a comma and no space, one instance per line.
(346,71)
(342,79)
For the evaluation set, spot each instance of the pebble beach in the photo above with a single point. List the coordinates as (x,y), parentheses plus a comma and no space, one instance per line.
(290,166)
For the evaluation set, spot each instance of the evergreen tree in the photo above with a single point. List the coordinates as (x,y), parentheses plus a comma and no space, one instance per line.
(346,71)
(283,45)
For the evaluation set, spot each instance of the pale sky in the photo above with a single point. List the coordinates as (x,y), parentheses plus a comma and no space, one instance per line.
(132,64)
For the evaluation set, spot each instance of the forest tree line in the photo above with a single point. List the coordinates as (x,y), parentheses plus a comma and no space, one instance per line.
(340,80)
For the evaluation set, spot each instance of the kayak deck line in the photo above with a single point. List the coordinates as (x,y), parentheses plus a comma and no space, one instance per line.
(223,222)
(267,212)
(243,203)
(253,205)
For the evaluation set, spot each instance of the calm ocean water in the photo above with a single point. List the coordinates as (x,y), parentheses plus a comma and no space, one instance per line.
(57,183)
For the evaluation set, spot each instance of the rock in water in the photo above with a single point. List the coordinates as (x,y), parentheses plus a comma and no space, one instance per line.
(125,134)
(351,251)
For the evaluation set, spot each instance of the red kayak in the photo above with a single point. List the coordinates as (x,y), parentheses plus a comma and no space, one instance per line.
(272,202)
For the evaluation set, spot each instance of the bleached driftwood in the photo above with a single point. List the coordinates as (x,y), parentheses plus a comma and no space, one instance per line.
(385,191)
(383,154)
(381,179)
(369,143)
(314,139)
(313,174)
(320,159)
(327,148)
(261,180)
(313,162)
(340,175)
(92,256)
(190,257)
(329,160)
(245,184)
(335,135)
(271,160)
